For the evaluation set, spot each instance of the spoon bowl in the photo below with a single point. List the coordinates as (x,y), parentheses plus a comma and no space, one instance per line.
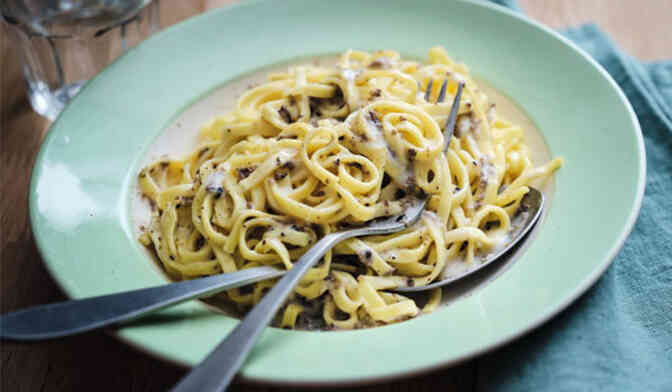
(530,209)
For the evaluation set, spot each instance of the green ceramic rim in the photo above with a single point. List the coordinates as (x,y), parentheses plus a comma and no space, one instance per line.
(85,173)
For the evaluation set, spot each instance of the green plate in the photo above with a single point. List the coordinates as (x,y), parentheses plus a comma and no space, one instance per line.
(85,175)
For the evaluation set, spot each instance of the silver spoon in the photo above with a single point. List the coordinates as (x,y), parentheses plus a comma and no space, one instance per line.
(78,316)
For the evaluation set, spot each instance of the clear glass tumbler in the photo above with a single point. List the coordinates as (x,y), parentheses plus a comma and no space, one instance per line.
(63,43)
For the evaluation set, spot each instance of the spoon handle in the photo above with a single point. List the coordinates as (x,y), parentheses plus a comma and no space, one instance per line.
(216,371)
(72,317)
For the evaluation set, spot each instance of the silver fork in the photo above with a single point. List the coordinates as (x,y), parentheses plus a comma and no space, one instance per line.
(77,316)
(218,369)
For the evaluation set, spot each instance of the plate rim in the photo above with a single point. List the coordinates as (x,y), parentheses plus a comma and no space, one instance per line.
(551,312)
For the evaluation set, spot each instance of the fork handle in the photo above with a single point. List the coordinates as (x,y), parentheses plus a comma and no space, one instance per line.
(216,371)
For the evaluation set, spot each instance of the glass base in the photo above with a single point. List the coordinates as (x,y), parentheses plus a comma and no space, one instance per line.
(50,103)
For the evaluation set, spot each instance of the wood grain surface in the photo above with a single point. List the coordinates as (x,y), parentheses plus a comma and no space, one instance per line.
(99,362)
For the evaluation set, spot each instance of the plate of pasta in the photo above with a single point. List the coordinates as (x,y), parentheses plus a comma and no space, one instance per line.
(257,140)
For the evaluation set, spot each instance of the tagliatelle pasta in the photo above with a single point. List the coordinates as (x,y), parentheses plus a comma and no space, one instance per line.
(318,148)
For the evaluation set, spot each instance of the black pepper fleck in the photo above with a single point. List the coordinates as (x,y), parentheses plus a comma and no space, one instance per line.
(412,153)
(244,172)
(200,242)
(284,113)
(279,175)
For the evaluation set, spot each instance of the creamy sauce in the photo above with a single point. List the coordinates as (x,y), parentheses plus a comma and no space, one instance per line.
(349,74)
(181,137)
(463,125)
(214,181)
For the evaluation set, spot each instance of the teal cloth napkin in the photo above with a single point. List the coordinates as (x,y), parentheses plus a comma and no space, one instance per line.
(617,336)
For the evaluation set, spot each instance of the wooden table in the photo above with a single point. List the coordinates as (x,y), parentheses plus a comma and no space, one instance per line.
(99,362)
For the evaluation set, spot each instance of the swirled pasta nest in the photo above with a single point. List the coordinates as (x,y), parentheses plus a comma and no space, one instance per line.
(320,147)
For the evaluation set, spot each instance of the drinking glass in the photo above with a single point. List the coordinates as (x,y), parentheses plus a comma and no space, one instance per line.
(63,43)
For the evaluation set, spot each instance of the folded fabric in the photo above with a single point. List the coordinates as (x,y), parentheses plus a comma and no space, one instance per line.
(617,336)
